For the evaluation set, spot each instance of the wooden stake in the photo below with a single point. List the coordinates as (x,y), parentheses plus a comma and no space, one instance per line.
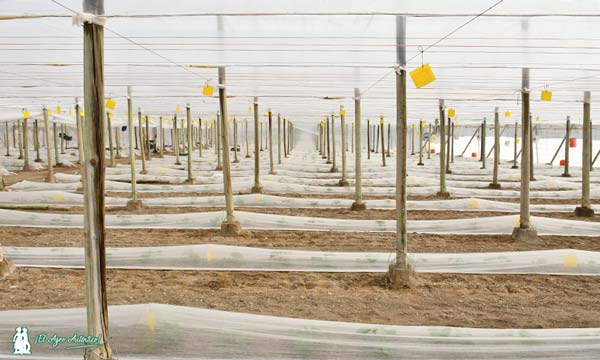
(133,204)
(334,167)
(141,141)
(6,138)
(514,166)
(494,184)
(483,135)
(79,132)
(524,232)
(382,140)
(279,139)
(368,140)
(343,181)
(257,188)
(147,139)
(219,141)
(190,134)
(443,193)
(567,145)
(421,124)
(328,143)
(110,141)
(25,146)
(271,161)
(358,203)
(161,131)
(50,177)
(199,137)
(55,136)
(448,140)
(36,141)
(230,226)
(586,210)
(235,141)
(246,136)
(175,141)
(93,183)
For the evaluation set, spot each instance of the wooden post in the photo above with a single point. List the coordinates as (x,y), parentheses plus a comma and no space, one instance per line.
(36,141)
(93,182)
(161,131)
(219,140)
(63,130)
(285,152)
(524,232)
(381,124)
(586,210)
(55,136)
(176,140)
(443,193)
(412,140)
(567,145)
(20,137)
(133,204)
(358,203)
(328,143)
(190,135)
(515,166)
(448,140)
(261,136)
(343,181)
(147,139)
(352,140)
(494,184)
(452,144)
(334,167)
(247,144)
(25,145)
(389,141)
(257,188)
(376,134)
(6,138)
(117,131)
(141,141)
(230,226)
(271,161)
(531,162)
(368,140)
(50,177)
(401,273)
(279,139)
(199,137)
(110,141)
(79,131)
(483,135)
(235,141)
(421,124)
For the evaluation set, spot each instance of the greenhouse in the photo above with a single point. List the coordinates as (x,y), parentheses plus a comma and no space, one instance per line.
(299,179)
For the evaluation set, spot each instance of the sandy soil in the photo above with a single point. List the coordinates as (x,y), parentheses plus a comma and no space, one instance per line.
(300,240)
(439,299)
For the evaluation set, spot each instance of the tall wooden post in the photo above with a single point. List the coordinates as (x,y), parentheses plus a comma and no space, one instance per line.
(452,143)
(247,144)
(567,145)
(235,141)
(401,273)
(190,135)
(483,136)
(271,160)
(285,152)
(352,140)
(585,210)
(133,204)
(6,138)
(147,139)
(25,132)
(389,140)
(494,184)
(55,138)
(376,135)
(412,140)
(36,141)
(161,134)
(381,125)
(220,145)
(257,188)
(261,136)
(50,177)
(142,143)
(110,141)
(524,231)
(531,162)
(443,193)
(230,226)
(328,143)
(448,140)
(63,129)
(117,131)
(279,139)
(199,137)
(358,203)
(343,181)
(368,140)
(421,125)
(334,167)
(79,131)
(93,182)
(20,137)
(175,141)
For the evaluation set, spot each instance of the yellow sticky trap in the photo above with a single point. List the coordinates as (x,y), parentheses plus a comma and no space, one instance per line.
(49,112)
(177,109)
(342,112)
(422,76)
(249,109)
(57,197)
(209,255)
(207,90)
(414,126)
(82,113)
(518,141)
(148,118)
(451,113)
(58,109)
(569,260)
(546,95)
(110,103)
(537,118)
(434,138)
(110,116)
(507,114)
(474,204)
(150,321)
(26,114)
(412,180)
(381,121)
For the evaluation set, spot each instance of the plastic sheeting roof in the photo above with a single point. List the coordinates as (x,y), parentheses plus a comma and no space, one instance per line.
(295,54)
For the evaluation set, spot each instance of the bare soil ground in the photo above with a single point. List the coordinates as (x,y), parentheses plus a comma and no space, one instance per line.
(496,301)
(299,240)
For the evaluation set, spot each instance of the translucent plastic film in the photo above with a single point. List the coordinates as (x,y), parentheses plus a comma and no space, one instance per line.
(156,331)
(221,257)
